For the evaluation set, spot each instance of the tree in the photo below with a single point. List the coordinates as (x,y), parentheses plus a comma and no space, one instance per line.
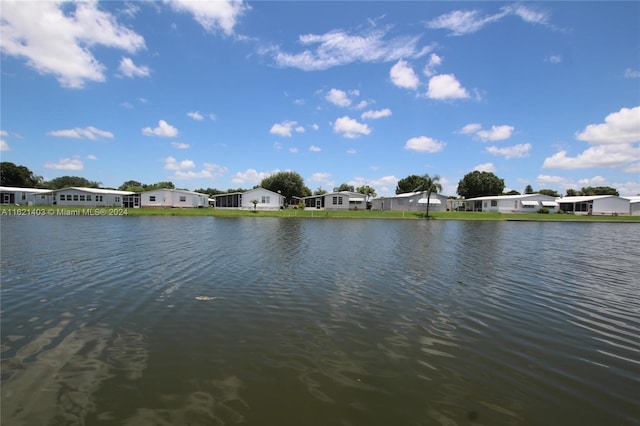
(255,205)
(368,193)
(571,192)
(599,190)
(549,192)
(344,187)
(67,181)
(528,189)
(478,184)
(319,191)
(20,176)
(430,185)
(408,184)
(288,184)
(512,192)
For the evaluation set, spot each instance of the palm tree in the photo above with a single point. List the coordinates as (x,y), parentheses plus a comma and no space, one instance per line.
(429,184)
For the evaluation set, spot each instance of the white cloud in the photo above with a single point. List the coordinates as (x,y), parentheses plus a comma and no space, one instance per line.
(293,150)
(445,86)
(462,22)
(56,37)
(322,178)
(337,48)
(630,73)
(212,15)
(374,115)
(402,75)
(4,133)
(596,156)
(128,69)
(554,59)
(497,133)
(351,151)
(209,171)
(195,115)
(164,130)
(285,128)
(470,128)
(251,176)
(4,146)
(618,128)
(66,164)
(515,151)
(314,148)
(424,144)
(171,163)
(350,128)
(434,61)
(89,132)
(180,145)
(91,157)
(314,126)
(213,117)
(485,167)
(338,97)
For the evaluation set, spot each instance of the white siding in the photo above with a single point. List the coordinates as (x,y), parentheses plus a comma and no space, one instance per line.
(267,200)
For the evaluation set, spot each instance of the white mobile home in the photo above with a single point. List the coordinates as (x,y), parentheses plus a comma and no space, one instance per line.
(634,206)
(266,199)
(25,196)
(89,197)
(343,200)
(610,205)
(410,201)
(168,198)
(525,203)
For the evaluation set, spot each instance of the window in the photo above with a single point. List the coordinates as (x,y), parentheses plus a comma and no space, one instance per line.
(494,203)
(335,201)
(82,198)
(339,200)
(75,197)
(88,197)
(98,197)
(183,198)
(117,199)
(266,199)
(24,196)
(152,198)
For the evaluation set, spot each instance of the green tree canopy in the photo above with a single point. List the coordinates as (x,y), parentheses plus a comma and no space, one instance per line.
(571,192)
(289,184)
(344,187)
(20,176)
(512,192)
(478,184)
(549,192)
(408,184)
(319,191)
(599,190)
(67,181)
(528,189)
(367,191)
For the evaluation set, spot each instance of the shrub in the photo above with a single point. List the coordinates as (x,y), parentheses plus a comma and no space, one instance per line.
(543,210)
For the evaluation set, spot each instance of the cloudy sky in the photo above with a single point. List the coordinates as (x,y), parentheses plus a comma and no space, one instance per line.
(220,94)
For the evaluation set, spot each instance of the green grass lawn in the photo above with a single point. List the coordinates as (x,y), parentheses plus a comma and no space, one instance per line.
(294,213)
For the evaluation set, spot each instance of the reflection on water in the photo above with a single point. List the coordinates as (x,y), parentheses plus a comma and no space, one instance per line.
(175,320)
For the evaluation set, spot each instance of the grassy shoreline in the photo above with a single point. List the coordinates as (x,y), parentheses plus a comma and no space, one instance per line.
(316,214)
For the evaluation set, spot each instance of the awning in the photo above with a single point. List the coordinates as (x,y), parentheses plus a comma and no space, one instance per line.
(550,204)
(431,201)
(356,200)
(530,203)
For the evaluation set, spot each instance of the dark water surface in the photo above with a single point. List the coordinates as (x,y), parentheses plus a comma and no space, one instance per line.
(318,322)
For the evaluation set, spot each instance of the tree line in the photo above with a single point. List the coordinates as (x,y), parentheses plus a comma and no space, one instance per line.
(290,184)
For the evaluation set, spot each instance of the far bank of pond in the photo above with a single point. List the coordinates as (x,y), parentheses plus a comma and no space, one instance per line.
(308,213)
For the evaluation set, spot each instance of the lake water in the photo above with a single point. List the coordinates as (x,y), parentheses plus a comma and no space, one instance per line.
(266,321)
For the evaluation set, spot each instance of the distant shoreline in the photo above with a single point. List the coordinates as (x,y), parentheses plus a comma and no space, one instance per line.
(8,210)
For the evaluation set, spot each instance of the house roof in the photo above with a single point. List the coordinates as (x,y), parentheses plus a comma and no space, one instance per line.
(583,198)
(412,194)
(18,189)
(509,197)
(181,191)
(95,190)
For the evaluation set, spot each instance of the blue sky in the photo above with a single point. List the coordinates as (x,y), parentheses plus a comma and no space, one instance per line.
(221,94)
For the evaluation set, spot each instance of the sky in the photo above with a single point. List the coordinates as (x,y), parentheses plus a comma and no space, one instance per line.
(222,94)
